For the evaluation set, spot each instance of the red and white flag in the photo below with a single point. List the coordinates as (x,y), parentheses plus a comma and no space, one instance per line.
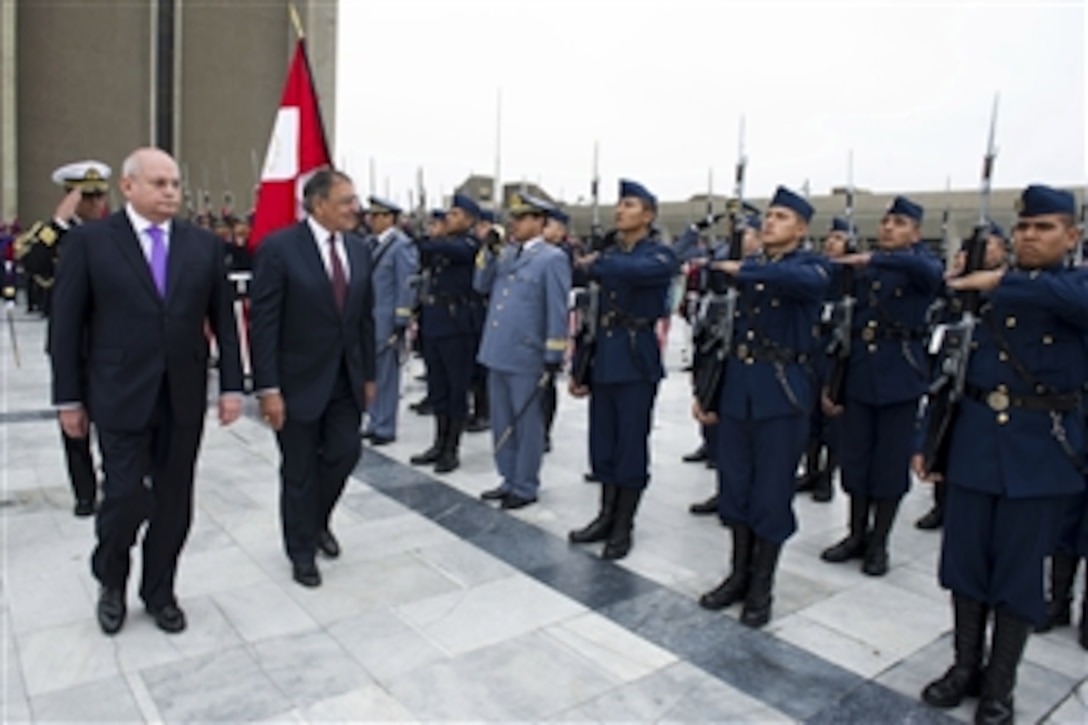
(298,148)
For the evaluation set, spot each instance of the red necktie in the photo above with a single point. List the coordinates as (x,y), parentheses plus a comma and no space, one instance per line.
(339,281)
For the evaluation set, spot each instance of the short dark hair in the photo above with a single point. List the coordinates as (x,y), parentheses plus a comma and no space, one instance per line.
(319,186)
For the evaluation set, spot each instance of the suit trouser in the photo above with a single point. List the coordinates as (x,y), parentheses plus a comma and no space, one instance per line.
(994,547)
(519,459)
(77,455)
(756,486)
(620,417)
(877,442)
(383,412)
(148,477)
(451,362)
(316,457)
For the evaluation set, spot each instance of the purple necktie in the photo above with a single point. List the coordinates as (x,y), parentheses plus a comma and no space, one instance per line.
(158,258)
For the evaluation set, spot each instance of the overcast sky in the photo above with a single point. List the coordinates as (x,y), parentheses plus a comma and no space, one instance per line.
(661,84)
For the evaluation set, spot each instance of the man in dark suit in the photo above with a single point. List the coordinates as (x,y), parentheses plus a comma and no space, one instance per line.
(312,331)
(127,341)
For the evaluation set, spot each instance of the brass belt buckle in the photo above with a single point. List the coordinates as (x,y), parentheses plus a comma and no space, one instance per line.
(868,334)
(998,400)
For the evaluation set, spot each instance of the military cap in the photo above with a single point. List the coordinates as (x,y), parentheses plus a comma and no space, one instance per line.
(793,201)
(559,215)
(466,204)
(438,215)
(382,206)
(488,215)
(840,224)
(638,191)
(903,206)
(1037,200)
(522,204)
(89,177)
(996,230)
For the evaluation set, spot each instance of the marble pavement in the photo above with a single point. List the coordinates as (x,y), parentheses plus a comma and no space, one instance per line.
(444,608)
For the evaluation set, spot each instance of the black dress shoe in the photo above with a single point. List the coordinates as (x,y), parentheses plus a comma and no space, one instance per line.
(368,435)
(168,618)
(512,502)
(705,508)
(696,456)
(478,425)
(85,507)
(590,477)
(933,520)
(377,440)
(494,494)
(111,609)
(306,574)
(328,544)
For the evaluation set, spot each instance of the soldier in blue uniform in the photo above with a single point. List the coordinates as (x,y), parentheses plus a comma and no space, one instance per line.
(435,229)
(887,375)
(555,233)
(766,398)
(524,338)
(394,264)
(1016,452)
(450,322)
(634,275)
(822,452)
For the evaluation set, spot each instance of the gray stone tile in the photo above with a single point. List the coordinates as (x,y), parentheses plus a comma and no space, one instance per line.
(833,645)
(384,644)
(309,668)
(493,612)
(107,700)
(263,611)
(502,682)
(225,686)
(66,656)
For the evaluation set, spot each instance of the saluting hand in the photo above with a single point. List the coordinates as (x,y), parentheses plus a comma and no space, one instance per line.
(982,281)
(67,207)
(273,411)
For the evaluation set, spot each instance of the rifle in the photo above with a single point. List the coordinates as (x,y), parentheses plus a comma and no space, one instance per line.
(587,303)
(952,342)
(713,338)
(228,195)
(843,311)
(9,308)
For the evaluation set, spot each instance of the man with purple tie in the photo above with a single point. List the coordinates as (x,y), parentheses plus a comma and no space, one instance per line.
(127,341)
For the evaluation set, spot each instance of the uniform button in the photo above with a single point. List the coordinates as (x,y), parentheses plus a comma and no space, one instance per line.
(498,306)
(775,302)
(748,361)
(751,334)
(759,286)
(608,334)
(755,310)
(495,323)
(736,314)
(1010,321)
(1002,418)
(872,348)
(1002,356)
(1003,388)
(899,293)
(1048,340)
(876,284)
(510,276)
(871,323)
(974,345)
(505,292)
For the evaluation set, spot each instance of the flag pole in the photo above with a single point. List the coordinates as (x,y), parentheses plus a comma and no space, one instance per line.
(295,21)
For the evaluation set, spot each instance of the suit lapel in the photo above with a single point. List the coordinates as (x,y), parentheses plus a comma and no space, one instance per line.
(178,251)
(128,244)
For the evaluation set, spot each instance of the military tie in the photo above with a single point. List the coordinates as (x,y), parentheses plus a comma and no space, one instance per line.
(157,259)
(339,281)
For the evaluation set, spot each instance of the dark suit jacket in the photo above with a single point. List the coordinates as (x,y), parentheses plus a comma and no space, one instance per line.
(299,340)
(109,321)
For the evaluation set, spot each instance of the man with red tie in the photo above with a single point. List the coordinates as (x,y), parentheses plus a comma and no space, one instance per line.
(312,331)
(132,296)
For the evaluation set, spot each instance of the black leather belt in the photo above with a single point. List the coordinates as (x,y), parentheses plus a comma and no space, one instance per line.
(611,320)
(869,333)
(759,353)
(999,400)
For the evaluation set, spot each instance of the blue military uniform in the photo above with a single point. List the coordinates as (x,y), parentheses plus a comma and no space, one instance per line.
(395,264)
(1016,456)
(887,375)
(451,318)
(763,413)
(633,286)
(525,334)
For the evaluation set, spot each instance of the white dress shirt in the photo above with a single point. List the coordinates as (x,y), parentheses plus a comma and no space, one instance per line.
(321,237)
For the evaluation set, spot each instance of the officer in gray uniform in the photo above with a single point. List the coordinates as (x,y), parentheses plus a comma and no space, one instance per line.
(524,338)
(395,262)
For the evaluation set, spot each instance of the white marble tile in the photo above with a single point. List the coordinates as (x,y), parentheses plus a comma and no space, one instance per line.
(1058,650)
(48,601)
(610,647)
(374,583)
(370,703)
(832,645)
(464,563)
(384,644)
(107,700)
(493,612)
(263,611)
(214,570)
(1073,710)
(310,667)
(63,657)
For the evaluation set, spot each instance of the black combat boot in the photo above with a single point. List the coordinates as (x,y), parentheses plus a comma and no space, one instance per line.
(1063,570)
(619,539)
(807,480)
(876,548)
(995,706)
(480,420)
(853,546)
(432,454)
(599,528)
(757,603)
(705,508)
(448,460)
(735,587)
(934,518)
(822,489)
(964,677)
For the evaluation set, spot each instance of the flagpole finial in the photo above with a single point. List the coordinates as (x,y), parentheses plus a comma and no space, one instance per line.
(295,21)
